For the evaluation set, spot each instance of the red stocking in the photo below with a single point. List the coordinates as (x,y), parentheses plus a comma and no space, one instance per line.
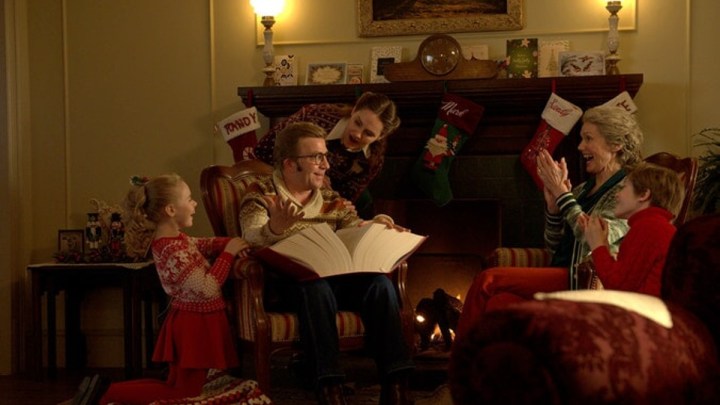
(558,118)
(624,101)
(239,132)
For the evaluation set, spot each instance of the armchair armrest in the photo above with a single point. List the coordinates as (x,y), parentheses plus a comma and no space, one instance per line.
(407,312)
(252,321)
(519,257)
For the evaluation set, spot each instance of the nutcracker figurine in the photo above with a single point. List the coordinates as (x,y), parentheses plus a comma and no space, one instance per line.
(93,231)
(117,236)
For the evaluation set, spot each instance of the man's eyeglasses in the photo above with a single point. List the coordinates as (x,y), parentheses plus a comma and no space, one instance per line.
(315,158)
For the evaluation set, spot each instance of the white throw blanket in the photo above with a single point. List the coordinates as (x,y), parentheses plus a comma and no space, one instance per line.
(645,305)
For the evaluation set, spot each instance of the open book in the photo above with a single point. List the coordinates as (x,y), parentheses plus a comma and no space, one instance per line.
(318,251)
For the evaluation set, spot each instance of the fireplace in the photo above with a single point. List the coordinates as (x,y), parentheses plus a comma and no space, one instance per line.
(461,234)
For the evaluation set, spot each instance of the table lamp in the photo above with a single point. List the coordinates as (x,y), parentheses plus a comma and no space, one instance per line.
(613,38)
(267,10)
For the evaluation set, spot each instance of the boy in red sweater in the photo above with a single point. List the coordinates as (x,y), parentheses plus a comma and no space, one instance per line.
(650,198)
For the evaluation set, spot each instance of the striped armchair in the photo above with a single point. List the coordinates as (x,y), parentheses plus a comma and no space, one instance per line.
(258,330)
(539,257)
(518,257)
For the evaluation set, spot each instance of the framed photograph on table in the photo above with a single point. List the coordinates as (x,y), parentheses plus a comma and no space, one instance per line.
(326,73)
(71,240)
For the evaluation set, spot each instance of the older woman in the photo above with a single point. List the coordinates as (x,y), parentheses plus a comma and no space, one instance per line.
(356,141)
(610,142)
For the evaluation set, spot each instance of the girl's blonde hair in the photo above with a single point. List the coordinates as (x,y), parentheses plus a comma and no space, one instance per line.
(144,205)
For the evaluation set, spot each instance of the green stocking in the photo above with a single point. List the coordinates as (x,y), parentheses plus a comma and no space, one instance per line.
(457,120)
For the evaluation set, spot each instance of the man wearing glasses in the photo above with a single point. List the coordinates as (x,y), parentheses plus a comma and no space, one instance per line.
(291,200)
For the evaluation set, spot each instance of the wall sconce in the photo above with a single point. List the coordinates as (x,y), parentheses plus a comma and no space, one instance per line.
(267,10)
(613,38)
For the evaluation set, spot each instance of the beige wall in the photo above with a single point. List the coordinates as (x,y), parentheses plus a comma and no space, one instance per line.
(134,87)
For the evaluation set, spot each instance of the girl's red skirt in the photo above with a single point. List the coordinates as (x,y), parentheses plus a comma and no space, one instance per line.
(196,340)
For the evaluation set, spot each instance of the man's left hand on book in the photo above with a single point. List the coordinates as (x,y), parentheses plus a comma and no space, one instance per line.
(387,221)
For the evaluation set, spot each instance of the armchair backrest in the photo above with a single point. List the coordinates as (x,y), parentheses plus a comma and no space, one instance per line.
(692,271)
(222,190)
(687,168)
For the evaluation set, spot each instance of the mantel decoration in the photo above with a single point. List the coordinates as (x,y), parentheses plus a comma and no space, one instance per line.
(103,237)
(439,57)
(378,18)
(267,10)
(613,39)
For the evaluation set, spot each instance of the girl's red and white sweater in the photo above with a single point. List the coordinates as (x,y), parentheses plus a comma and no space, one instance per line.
(183,265)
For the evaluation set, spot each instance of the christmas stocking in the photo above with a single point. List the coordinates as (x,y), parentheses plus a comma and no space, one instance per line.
(239,132)
(456,121)
(624,101)
(558,118)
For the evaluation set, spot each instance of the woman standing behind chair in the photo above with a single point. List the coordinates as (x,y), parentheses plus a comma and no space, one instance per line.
(610,142)
(356,141)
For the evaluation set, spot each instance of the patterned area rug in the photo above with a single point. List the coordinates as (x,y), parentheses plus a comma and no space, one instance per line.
(427,382)
(359,396)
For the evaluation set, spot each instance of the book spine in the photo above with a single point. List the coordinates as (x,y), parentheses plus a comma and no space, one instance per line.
(286,266)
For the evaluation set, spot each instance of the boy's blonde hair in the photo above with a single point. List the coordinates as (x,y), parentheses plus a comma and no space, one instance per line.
(666,189)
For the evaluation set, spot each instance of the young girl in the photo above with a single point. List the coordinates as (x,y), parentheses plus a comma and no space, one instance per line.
(195,336)
(649,198)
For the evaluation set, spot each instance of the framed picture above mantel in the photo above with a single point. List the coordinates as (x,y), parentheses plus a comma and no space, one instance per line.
(411,17)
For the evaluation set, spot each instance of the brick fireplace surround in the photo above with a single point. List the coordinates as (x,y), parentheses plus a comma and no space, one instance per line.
(495,201)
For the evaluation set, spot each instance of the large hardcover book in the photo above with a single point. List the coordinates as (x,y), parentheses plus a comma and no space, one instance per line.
(522,58)
(318,251)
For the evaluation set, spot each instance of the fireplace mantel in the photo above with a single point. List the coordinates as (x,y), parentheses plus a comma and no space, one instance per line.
(512,106)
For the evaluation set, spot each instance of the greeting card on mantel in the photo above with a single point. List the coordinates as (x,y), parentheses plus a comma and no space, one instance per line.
(522,58)
(549,57)
(286,70)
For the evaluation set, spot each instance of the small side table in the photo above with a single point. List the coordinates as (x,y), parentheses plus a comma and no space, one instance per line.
(139,281)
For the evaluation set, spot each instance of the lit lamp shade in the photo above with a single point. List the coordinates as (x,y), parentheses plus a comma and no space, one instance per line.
(267,7)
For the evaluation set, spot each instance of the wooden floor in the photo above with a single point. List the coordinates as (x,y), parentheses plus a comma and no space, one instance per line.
(23,390)
(286,389)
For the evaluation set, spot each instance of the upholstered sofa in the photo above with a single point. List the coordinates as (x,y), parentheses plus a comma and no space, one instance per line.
(567,352)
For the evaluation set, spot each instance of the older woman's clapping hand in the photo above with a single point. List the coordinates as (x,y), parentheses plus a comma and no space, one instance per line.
(554,176)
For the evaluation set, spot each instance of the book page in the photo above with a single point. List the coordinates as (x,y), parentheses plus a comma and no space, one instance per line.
(318,251)
(388,248)
(376,248)
(351,237)
(338,258)
(318,248)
